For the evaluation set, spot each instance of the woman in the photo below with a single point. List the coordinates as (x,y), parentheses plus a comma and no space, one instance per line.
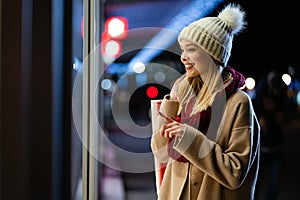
(212,149)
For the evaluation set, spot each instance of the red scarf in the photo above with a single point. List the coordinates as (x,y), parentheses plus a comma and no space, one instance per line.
(203,118)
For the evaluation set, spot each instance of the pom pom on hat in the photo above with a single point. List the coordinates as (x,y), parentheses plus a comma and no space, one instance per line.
(215,34)
(234,17)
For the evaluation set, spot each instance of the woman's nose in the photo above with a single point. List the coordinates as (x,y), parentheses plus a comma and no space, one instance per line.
(183,56)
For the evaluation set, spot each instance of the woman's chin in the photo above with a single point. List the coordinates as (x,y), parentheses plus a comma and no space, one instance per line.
(191,73)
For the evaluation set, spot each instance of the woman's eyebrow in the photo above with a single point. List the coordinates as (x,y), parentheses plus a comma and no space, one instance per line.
(187,45)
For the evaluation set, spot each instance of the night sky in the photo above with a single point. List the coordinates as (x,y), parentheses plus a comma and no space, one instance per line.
(270,40)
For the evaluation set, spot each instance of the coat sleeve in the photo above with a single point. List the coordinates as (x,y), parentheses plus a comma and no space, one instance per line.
(229,156)
(158,143)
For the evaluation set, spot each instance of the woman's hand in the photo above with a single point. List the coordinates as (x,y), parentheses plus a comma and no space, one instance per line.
(172,129)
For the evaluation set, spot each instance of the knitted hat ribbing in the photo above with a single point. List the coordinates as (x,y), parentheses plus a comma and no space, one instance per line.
(215,34)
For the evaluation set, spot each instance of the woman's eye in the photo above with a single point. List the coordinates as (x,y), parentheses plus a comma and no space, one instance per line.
(192,49)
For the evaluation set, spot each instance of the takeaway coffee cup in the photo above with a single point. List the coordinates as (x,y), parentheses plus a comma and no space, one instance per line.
(169,108)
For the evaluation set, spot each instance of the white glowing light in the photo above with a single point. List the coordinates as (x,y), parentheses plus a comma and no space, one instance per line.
(112,48)
(116,27)
(250,83)
(286,79)
(106,84)
(139,67)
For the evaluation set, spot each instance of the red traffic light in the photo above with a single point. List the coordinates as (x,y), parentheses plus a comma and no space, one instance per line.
(152,92)
(116,27)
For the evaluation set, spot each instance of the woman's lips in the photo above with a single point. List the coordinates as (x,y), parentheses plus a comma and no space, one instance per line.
(189,66)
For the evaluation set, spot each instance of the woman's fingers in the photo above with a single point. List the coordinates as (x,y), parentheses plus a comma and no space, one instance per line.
(170,130)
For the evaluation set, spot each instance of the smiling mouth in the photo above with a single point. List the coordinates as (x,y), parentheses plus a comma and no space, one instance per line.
(189,66)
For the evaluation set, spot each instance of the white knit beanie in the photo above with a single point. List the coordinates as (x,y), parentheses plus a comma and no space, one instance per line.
(215,34)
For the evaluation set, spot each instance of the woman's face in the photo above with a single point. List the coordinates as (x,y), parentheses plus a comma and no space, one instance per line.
(194,58)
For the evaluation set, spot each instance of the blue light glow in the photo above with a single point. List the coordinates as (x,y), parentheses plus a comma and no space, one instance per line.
(168,35)
(141,79)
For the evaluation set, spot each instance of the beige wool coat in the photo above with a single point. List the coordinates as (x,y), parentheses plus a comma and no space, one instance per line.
(223,166)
